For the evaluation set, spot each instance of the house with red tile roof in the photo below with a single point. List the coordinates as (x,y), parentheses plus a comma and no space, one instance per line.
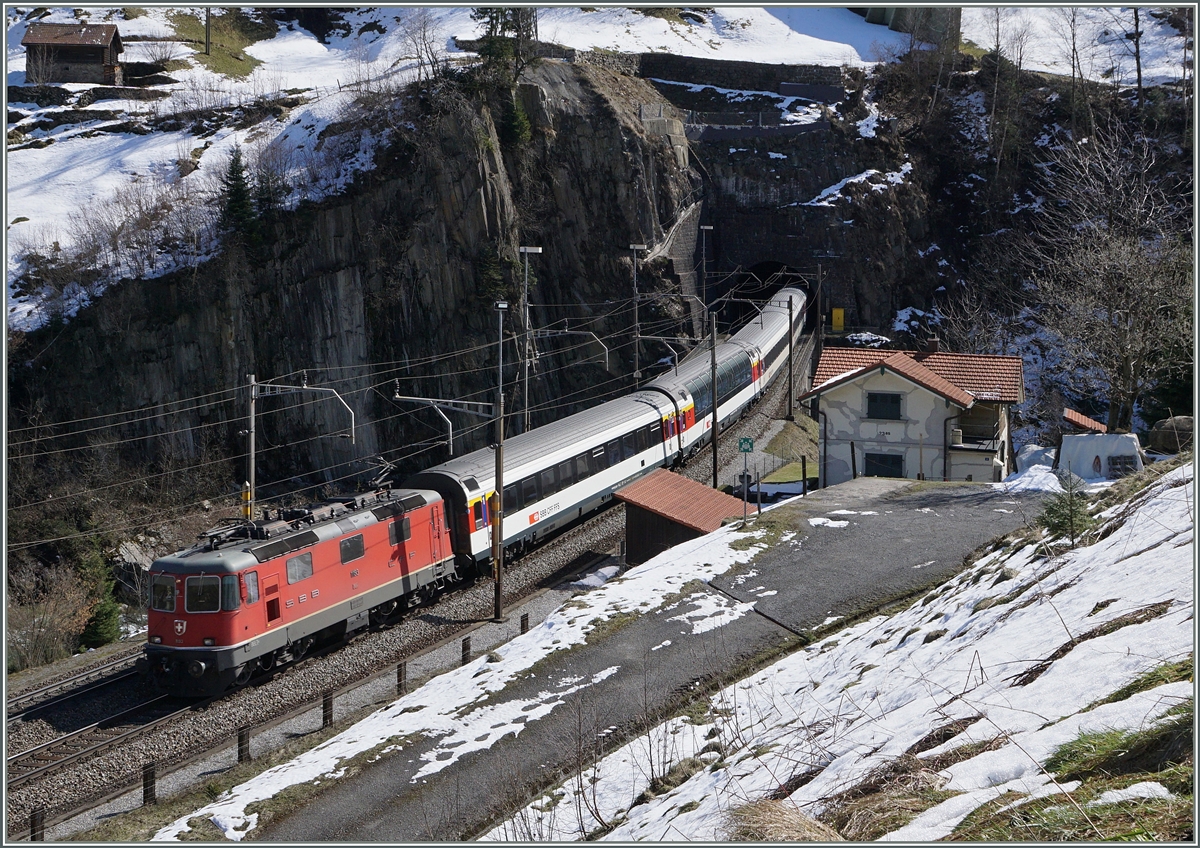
(925,415)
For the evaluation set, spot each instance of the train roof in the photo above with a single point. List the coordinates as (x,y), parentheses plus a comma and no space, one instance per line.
(237,546)
(574,430)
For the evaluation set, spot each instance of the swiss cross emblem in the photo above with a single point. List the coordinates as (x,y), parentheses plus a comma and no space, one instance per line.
(533,518)
(180,627)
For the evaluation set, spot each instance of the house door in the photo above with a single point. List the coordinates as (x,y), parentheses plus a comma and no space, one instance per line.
(883,465)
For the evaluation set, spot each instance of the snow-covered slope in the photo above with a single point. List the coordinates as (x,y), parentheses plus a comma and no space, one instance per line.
(76,178)
(863,697)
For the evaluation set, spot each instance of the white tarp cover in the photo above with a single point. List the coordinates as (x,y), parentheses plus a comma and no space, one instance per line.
(1031,455)
(1088,455)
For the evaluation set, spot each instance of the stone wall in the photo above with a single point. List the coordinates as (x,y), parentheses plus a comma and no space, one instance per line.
(749,76)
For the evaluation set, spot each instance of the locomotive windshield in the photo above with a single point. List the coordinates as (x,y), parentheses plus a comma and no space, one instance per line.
(203,594)
(162,593)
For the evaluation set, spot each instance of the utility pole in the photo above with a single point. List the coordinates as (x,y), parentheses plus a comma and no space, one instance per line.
(525,301)
(637,327)
(704,229)
(712,341)
(248,490)
(498,508)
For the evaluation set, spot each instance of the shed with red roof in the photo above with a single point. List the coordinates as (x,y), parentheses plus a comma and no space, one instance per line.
(664,509)
(73,53)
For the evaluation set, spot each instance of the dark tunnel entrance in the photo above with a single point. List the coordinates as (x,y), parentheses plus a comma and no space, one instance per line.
(738,296)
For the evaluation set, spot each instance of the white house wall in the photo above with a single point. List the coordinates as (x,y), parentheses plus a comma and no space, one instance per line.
(918,437)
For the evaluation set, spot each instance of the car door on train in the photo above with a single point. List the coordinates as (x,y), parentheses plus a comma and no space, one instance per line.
(435,533)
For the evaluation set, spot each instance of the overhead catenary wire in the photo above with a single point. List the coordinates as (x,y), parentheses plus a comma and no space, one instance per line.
(426,446)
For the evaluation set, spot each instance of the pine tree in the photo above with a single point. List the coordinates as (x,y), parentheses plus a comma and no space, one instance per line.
(237,202)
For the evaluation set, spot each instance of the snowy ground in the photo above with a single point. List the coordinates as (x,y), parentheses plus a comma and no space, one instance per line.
(845,705)
(55,193)
(1100,36)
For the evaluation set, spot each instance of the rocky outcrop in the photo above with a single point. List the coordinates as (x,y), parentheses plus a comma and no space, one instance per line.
(390,285)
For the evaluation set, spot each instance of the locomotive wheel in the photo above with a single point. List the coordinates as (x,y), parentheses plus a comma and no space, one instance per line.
(384,612)
(244,673)
(267,661)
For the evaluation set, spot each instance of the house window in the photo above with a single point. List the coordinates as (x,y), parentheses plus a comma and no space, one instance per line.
(884,405)
(883,465)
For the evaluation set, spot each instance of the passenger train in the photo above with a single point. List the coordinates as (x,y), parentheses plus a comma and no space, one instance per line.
(250,596)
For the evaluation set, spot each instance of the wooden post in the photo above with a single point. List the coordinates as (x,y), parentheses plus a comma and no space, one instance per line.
(402,679)
(37,825)
(243,744)
(524,622)
(466,650)
(149,787)
(853,463)
(327,710)
(804,474)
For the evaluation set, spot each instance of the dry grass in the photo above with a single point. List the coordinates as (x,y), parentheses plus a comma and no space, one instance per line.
(797,439)
(776,821)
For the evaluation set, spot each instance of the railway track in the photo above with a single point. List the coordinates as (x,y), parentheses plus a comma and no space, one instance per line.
(92,739)
(26,704)
(40,774)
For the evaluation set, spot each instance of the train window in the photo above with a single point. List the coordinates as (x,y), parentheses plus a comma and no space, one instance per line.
(583,469)
(613,449)
(352,548)
(549,481)
(202,594)
(399,531)
(251,578)
(566,475)
(299,568)
(231,596)
(629,441)
(529,491)
(162,593)
(640,435)
(599,460)
(477,511)
(512,497)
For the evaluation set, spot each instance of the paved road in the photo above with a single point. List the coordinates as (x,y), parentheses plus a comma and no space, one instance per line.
(899,538)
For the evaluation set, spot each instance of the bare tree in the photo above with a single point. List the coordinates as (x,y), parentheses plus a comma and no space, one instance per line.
(160,52)
(40,66)
(1114,266)
(418,31)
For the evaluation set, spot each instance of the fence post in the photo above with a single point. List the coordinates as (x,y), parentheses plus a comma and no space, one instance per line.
(149,787)
(402,679)
(524,622)
(37,825)
(327,710)
(804,474)
(243,744)
(853,463)
(466,650)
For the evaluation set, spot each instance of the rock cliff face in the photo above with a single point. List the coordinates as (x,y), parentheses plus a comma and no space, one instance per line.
(394,281)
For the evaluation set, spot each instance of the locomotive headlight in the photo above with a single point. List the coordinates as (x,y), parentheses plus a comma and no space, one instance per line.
(196,668)
(156,640)
(210,641)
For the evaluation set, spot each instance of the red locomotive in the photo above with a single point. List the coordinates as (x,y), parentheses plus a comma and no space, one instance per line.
(249,596)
